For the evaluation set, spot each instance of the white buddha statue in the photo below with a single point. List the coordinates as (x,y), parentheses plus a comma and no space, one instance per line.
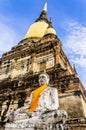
(42,107)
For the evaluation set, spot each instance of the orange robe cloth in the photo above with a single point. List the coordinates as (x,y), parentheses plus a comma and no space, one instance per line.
(35,97)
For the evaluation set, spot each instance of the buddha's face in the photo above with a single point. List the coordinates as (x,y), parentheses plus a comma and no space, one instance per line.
(43,79)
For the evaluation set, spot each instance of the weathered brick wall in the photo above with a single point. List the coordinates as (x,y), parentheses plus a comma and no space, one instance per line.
(73,104)
(78,127)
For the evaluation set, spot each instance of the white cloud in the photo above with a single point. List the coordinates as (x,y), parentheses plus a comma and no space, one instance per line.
(81,61)
(7,37)
(75,43)
(9,34)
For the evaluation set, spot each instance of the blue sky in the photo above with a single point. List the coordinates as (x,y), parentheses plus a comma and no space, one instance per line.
(69,21)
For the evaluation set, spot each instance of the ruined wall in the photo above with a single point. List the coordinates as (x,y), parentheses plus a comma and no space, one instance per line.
(72,103)
(77,127)
(19,71)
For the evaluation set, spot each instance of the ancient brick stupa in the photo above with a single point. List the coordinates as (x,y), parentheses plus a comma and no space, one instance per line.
(40,50)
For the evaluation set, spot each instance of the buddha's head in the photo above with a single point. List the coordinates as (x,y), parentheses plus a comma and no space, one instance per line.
(43,79)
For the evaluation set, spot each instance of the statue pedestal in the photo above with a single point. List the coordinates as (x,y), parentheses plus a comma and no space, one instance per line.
(19,129)
(50,126)
(51,120)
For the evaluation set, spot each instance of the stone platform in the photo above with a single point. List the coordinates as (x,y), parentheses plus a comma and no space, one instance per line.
(50,120)
(50,126)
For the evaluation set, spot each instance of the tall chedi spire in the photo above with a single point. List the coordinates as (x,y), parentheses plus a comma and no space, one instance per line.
(43,15)
(45,7)
(38,28)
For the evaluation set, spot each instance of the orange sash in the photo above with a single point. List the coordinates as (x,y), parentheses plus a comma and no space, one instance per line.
(35,97)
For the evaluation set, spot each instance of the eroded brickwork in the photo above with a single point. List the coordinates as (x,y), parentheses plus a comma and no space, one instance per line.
(19,71)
